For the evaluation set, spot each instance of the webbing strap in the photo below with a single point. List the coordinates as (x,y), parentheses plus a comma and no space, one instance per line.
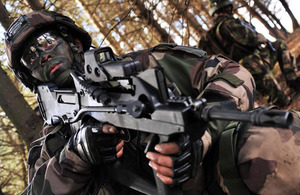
(229,172)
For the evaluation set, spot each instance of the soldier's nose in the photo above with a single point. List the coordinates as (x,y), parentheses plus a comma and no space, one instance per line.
(45,59)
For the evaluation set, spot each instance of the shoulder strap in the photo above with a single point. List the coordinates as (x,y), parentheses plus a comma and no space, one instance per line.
(220,38)
(33,155)
(214,45)
(228,169)
(217,31)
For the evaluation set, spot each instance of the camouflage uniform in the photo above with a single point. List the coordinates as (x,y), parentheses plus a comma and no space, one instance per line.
(260,160)
(55,169)
(239,41)
(216,78)
(274,154)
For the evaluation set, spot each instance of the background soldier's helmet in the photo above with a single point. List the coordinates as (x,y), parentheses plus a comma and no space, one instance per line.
(31,24)
(215,5)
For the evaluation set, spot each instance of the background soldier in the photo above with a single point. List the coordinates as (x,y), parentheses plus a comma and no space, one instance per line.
(43,47)
(239,40)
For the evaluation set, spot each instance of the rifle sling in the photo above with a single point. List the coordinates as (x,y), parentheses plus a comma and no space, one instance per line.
(228,169)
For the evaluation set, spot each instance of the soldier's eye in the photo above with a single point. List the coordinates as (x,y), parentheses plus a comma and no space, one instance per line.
(32,53)
(33,56)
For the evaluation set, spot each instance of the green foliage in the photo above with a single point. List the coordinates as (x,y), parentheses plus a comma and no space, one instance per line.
(13,176)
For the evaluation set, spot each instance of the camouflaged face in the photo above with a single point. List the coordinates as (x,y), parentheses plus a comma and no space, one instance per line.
(34,22)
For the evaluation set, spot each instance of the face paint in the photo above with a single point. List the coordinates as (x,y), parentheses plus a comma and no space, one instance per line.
(49,58)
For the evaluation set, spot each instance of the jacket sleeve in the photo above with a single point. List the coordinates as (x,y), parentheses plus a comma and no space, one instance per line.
(223,82)
(63,173)
(221,79)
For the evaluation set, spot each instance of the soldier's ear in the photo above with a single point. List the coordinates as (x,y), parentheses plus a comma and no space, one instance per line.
(78,44)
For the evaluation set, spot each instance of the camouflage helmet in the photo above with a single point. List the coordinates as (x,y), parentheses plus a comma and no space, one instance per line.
(31,24)
(215,5)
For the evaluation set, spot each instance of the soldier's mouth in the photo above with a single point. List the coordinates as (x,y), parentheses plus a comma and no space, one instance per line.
(54,67)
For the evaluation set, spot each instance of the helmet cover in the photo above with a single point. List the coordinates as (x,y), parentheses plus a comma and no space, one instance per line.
(30,24)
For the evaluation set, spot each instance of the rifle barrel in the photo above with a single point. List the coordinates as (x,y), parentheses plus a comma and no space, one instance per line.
(260,117)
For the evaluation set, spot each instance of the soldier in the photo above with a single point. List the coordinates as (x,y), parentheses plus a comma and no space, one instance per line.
(238,40)
(44,46)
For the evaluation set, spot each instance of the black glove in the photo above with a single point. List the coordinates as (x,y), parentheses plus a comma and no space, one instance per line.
(186,163)
(94,146)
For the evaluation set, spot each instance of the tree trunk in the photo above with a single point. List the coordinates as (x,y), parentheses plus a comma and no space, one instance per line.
(267,12)
(35,4)
(13,103)
(294,20)
(18,111)
(147,15)
(4,16)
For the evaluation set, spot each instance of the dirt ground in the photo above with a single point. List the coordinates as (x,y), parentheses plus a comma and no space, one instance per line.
(293,42)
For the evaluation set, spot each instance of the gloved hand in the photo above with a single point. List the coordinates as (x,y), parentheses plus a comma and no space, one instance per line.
(176,161)
(97,143)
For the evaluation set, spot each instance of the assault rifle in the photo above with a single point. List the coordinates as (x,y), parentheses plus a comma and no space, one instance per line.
(120,93)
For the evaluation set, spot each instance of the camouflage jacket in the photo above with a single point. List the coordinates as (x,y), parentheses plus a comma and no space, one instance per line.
(268,159)
(216,78)
(235,38)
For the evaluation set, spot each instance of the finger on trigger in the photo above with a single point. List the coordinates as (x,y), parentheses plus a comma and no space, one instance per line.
(160,159)
(161,169)
(120,153)
(120,145)
(167,148)
(107,128)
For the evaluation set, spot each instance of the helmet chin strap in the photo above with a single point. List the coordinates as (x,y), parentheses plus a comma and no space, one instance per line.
(78,56)
(78,66)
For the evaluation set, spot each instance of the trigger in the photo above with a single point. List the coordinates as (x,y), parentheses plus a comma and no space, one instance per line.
(124,136)
(153,140)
